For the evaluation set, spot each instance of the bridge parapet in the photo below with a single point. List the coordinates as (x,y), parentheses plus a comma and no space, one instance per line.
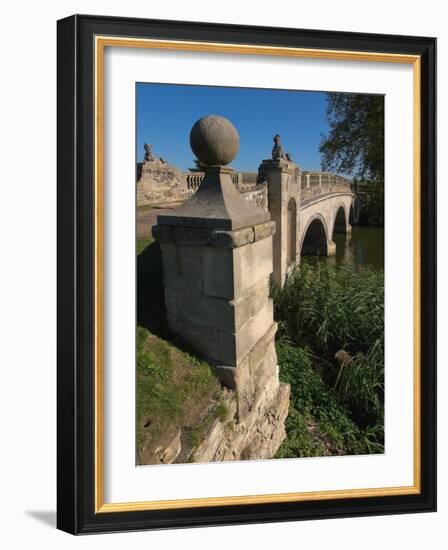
(243,181)
(194,180)
(315,183)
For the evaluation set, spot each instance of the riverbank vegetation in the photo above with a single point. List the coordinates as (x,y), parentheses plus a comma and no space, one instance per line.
(371,204)
(176,393)
(331,350)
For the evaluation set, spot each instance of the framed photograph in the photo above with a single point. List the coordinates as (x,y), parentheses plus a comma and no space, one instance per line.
(246,274)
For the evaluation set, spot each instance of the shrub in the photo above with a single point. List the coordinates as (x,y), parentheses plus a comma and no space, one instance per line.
(328,308)
(314,406)
(324,310)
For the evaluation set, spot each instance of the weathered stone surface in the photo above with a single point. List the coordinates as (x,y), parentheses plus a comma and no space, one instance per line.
(229,273)
(331,248)
(258,196)
(232,239)
(260,349)
(283,179)
(251,302)
(218,272)
(172,312)
(214,140)
(264,230)
(163,233)
(225,315)
(256,436)
(182,266)
(203,310)
(265,374)
(192,236)
(168,454)
(233,347)
(252,264)
(217,204)
(226,375)
(200,236)
(202,338)
(161,182)
(244,390)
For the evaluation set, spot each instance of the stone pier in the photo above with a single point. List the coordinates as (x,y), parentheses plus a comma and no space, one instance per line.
(217,253)
(283,179)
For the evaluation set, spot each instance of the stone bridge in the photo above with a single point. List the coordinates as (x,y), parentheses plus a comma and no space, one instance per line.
(322,216)
(308,207)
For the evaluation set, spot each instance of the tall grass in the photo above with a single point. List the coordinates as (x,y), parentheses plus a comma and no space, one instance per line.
(337,314)
(329,308)
(317,424)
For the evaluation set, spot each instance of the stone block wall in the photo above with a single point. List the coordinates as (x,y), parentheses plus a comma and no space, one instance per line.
(258,196)
(217,300)
(161,182)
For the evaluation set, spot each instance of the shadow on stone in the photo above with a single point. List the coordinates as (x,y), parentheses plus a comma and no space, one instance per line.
(151,313)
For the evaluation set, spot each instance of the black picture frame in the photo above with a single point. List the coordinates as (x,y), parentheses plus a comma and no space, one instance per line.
(76,273)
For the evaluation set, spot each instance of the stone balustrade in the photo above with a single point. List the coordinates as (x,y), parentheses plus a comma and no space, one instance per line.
(194,180)
(243,181)
(318,183)
(167,184)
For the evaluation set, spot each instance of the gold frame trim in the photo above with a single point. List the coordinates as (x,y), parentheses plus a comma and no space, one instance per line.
(101,42)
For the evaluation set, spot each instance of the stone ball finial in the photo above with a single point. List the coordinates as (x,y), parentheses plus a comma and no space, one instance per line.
(214,140)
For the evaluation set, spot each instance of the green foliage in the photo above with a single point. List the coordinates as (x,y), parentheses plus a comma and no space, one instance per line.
(198,167)
(328,308)
(324,311)
(371,207)
(355,142)
(318,424)
(355,145)
(300,441)
(360,385)
(172,388)
(221,411)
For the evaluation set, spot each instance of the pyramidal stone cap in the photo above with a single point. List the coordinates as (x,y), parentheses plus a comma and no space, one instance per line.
(214,140)
(217,204)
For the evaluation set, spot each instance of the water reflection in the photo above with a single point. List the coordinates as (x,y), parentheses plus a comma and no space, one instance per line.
(365,248)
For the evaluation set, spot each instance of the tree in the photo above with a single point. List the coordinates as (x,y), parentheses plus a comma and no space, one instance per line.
(355,142)
(198,167)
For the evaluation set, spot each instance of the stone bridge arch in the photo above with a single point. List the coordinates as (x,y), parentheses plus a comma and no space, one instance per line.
(341,216)
(314,240)
(333,210)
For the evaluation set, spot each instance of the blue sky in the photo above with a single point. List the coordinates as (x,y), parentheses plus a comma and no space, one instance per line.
(166,113)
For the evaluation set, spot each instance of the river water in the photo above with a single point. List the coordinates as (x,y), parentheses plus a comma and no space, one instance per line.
(366,248)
